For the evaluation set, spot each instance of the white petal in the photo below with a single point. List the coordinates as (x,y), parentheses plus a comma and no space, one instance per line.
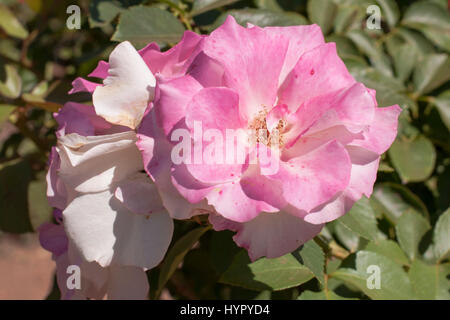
(139,194)
(104,230)
(127,90)
(127,283)
(94,163)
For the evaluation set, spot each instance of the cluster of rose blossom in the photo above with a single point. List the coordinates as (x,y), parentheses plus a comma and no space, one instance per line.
(114,220)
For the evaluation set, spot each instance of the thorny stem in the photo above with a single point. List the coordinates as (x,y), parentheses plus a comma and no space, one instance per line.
(331,248)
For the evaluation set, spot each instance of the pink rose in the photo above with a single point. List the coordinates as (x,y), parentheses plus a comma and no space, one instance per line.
(323,135)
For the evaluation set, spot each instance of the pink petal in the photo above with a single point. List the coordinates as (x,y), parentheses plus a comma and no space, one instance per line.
(363,176)
(174,96)
(382,131)
(253,59)
(81,119)
(156,153)
(175,61)
(213,109)
(101,71)
(314,178)
(317,72)
(207,71)
(53,238)
(82,85)
(231,201)
(301,39)
(270,234)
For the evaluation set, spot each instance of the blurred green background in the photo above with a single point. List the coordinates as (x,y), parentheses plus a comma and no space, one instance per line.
(405,226)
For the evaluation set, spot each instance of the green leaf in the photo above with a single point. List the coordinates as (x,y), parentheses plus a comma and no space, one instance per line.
(346,236)
(266,274)
(394,282)
(345,46)
(417,40)
(176,255)
(201,6)
(431,72)
(430,282)
(15,177)
(39,209)
(321,295)
(393,200)
(430,19)
(390,249)
(141,25)
(410,229)
(271,5)
(442,103)
(12,86)
(368,46)
(5,110)
(102,12)
(314,259)
(10,24)
(441,236)
(361,219)
(40,89)
(8,49)
(413,159)
(390,11)
(405,58)
(345,15)
(262,18)
(322,12)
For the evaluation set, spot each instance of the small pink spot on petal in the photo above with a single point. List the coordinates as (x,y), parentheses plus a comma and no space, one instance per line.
(311,72)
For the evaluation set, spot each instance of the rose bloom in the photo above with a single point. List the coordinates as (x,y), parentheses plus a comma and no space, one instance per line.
(113,224)
(284,81)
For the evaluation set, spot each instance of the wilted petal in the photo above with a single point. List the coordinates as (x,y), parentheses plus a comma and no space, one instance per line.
(94,163)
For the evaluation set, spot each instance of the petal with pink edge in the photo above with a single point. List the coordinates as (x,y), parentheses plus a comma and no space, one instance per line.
(56,192)
(82,85)
(127,90)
